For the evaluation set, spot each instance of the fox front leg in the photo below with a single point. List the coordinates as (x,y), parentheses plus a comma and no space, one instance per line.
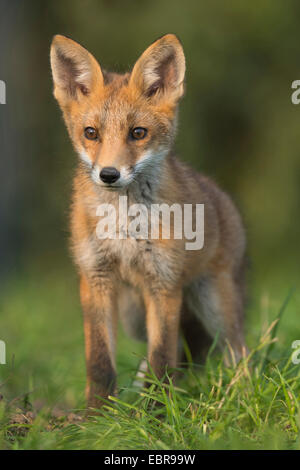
(100,329)
(163,318)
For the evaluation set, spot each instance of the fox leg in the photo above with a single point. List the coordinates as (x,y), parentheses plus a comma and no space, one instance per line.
(223,306)
(218,302)
(162,319)
(132,313)
(100,329)
(197,339)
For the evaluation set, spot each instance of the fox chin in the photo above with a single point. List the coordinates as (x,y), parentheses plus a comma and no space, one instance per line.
(123,127)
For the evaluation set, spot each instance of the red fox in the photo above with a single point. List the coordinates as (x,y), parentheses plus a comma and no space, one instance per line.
(123,129)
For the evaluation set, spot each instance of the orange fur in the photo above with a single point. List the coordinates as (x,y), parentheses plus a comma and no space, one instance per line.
(156,283)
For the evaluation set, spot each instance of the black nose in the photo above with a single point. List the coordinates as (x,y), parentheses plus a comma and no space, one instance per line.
(109,174)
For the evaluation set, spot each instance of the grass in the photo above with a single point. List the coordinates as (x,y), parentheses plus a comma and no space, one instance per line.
(254,405)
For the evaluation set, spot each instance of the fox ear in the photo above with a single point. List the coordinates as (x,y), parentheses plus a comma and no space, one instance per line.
(76,73)
(160,70)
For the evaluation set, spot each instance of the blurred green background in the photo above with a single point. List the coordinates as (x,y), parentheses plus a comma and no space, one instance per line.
(237,124)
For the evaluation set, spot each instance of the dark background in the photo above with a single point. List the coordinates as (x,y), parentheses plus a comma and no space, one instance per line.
(237,121)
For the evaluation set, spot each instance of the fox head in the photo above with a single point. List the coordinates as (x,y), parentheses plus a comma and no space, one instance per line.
(121,125)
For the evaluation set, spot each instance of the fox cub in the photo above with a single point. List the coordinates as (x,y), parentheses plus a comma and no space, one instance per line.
(123,129)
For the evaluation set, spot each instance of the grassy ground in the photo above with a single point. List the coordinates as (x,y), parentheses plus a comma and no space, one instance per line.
(254,405)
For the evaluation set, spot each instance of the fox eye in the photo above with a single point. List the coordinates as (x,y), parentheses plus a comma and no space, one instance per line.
(90,133)
(138,133)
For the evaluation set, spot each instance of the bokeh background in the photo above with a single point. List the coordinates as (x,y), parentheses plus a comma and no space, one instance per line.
(237,124)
